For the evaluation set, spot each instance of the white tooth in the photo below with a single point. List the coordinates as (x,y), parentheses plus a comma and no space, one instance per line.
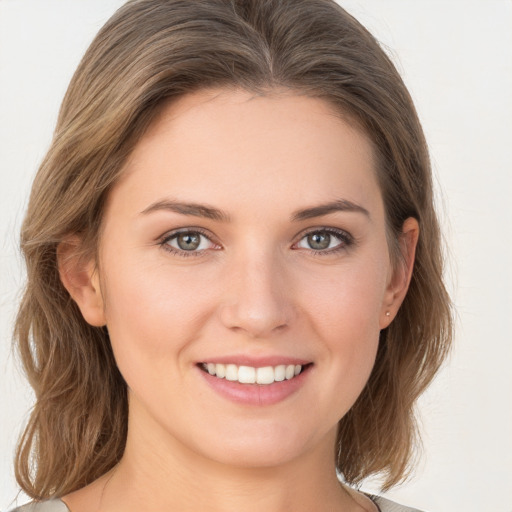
(290,371)
(211,368)
(279,373)
(231,372)
(246,375)
(298,368)
(220,370)
(265,375)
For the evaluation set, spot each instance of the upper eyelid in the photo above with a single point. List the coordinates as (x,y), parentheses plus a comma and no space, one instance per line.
(325,229)
(174,232)
(207,232)
(329,229)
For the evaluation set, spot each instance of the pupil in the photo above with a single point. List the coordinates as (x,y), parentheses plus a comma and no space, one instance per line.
(188,241)
(319,240)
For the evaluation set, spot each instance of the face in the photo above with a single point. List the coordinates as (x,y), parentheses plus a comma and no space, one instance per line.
(244,275)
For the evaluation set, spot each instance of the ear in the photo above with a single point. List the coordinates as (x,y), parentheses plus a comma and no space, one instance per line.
(401,277)
(80,278)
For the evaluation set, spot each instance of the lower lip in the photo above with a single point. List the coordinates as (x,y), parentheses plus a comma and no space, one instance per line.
(256,394)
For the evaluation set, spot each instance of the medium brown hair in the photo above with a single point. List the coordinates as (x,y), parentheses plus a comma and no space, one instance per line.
(153,51)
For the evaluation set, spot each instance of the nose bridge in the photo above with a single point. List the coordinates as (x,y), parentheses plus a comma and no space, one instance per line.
(256,299)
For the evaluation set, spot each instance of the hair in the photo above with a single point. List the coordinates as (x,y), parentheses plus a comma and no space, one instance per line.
(150,53)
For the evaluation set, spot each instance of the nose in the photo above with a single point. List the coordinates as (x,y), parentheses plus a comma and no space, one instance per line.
(257,298)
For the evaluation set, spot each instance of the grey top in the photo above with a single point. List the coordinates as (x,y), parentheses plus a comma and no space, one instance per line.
(43,506)
(385,505)
(57,505)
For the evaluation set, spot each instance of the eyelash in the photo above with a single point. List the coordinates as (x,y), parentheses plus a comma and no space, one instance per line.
(346,240)
(164,242)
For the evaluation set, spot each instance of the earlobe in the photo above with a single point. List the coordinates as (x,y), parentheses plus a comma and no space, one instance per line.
(401,278)
(80,278)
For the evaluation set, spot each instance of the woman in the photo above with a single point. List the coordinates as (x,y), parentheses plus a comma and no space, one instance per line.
(234,270)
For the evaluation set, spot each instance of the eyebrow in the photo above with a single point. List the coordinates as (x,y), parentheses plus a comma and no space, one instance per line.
(340,205)
(210,212)
(195,209)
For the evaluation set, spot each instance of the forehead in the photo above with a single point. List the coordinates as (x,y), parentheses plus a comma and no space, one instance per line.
(269,148)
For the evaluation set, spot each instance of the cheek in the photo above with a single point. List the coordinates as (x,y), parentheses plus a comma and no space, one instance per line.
(348,298)
(151,316)
(344,312)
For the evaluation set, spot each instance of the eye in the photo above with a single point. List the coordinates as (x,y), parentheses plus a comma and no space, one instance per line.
(325,240)
(190,241)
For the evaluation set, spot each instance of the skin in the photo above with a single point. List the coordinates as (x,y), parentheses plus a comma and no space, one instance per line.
(254,286)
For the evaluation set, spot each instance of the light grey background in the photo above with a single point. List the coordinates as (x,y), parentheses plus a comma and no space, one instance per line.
(456,58)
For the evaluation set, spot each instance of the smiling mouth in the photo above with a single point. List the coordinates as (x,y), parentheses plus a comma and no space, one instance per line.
(249,375)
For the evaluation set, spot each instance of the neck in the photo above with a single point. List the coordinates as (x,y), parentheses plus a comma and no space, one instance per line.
(157,472)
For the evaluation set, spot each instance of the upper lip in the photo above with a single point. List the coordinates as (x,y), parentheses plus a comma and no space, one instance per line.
(256,362)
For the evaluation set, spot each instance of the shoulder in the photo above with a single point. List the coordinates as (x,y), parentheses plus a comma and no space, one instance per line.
(386,505)
(43,506)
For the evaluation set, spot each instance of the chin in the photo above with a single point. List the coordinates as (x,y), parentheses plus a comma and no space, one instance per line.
(268,446)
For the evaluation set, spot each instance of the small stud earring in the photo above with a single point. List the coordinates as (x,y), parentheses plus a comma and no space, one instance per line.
(388,313)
